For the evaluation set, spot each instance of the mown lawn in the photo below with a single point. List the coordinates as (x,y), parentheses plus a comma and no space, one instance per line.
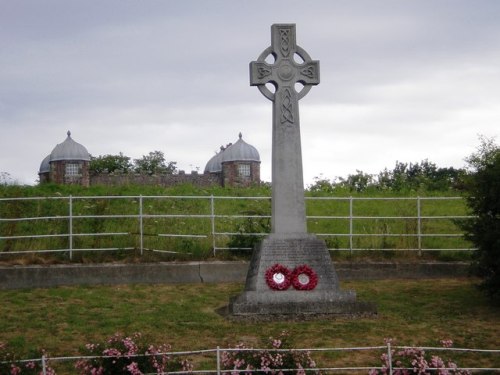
(61,320)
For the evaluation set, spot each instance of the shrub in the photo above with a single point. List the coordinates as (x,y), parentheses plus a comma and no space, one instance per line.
(128,355)
(483,230)
(410,360)
(9,365)
(246,229)
(272,361)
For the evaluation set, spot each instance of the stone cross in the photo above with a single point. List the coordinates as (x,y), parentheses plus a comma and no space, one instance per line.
(291,272)
(286,75)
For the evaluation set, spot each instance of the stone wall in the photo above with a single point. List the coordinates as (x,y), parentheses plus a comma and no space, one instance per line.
(196,179)
(232,177)
(58,173)
(47,276)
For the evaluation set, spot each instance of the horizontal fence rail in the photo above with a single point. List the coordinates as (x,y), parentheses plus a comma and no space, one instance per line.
(179,224)
(330,360)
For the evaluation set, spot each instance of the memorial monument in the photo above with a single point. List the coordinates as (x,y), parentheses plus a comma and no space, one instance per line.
(291,272)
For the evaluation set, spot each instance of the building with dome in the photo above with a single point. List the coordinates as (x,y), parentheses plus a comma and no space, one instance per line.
(68,163)
(235,164)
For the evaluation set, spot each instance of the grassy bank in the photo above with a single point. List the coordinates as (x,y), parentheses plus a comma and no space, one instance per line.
(62,320)
(384,232)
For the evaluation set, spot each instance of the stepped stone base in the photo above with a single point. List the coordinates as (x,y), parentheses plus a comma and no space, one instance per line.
(292,251)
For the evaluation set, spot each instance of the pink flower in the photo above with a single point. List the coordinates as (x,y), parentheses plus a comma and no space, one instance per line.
(14,370)
(97,371)
(111,352)
(130,345)
(447,343)
(134,369)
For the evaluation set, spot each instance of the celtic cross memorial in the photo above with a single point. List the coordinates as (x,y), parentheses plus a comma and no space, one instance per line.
(291,272)
(285,74)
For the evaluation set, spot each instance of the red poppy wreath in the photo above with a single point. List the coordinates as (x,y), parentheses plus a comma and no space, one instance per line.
(278,277)
(304,278)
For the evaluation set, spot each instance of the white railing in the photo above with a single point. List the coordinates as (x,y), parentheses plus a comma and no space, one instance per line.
(350,226)
(215,365)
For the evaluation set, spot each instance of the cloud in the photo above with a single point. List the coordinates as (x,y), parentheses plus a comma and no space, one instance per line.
(399,80)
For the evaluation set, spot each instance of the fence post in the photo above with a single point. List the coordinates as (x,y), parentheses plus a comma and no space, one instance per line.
(70,229)
(419,227)
(212,220)
(141,230)
(44,365)
(218,360)
(389,357)
(350,224)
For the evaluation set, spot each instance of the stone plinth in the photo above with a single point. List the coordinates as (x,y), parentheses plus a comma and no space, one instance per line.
(327,298)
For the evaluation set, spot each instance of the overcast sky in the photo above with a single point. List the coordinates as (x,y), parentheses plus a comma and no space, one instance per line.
(400,80)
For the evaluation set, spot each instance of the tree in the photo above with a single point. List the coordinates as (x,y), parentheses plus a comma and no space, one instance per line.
(154,163)
(110,163)
(482,186)
(417,176)
(357,182)
(6,179)
(322,185)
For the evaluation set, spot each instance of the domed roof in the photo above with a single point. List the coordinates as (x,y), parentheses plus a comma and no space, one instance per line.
(69,150)
(214,164)
(239,151)
(45,166)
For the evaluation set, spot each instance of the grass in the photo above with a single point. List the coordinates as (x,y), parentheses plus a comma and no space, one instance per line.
(156,203)
(61,320)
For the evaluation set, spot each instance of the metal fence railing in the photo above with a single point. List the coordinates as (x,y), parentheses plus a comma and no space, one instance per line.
(170,223)
(330,360)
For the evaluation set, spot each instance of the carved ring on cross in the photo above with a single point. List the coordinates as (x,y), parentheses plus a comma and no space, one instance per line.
(285,72)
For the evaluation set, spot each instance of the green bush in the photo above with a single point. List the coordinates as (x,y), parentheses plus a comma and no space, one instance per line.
(483,230)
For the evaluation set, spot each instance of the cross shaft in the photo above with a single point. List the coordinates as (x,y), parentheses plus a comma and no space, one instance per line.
(288,207)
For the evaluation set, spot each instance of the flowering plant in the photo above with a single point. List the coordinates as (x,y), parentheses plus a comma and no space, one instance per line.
(304,278)
(278,277)
(274,360)
(127,355)
(9,365)
(409,361)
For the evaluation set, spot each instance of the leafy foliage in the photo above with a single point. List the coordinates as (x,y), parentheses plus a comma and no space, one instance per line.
(268,361)
(110,163)
(154,163)
(9,364)
(404,177)
(250,226)
(128,355)
(483,197)
(6,178)
(357,182)
(419,176)
(408,360)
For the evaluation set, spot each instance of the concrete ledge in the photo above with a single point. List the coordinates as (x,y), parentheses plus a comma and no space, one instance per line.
(38,276)
(386,270)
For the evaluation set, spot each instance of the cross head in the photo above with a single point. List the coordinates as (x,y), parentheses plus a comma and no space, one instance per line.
(285,72)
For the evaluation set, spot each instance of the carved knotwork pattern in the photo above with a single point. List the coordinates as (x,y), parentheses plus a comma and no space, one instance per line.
(285,42)
(309,72)
(263,71)
(287,107)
